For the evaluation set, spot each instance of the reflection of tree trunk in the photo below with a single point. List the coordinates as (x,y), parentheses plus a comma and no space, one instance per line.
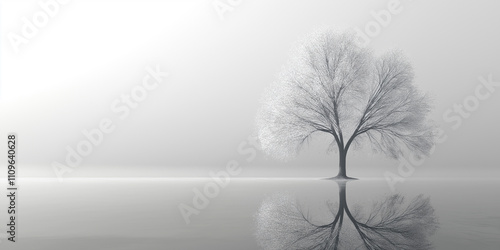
(342,195)
(340,214)
(342,164)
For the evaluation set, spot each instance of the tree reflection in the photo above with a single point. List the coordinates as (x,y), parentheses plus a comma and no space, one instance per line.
(392,223)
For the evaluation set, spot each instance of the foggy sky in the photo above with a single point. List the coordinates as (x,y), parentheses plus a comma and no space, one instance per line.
(91,53)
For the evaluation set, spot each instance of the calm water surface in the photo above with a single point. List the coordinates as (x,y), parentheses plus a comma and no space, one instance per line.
(255,214)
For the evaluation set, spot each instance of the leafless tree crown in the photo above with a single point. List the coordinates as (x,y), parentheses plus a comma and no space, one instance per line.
(334,86)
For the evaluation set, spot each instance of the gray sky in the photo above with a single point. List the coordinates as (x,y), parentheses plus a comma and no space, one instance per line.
(90,53)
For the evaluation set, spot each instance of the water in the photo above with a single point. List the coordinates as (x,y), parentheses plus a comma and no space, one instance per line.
(250,214)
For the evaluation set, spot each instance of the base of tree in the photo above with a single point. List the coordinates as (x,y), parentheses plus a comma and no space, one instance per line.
(341,178)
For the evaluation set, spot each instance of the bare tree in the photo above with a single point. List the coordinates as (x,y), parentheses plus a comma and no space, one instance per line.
(393,223)
(333,86)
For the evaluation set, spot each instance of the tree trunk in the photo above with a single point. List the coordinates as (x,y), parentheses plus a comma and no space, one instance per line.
(342,164)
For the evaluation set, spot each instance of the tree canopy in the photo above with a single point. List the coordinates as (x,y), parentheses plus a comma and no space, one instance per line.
(334,86)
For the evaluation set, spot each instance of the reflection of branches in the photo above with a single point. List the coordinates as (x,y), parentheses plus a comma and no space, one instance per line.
(390,224)
(283,225)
